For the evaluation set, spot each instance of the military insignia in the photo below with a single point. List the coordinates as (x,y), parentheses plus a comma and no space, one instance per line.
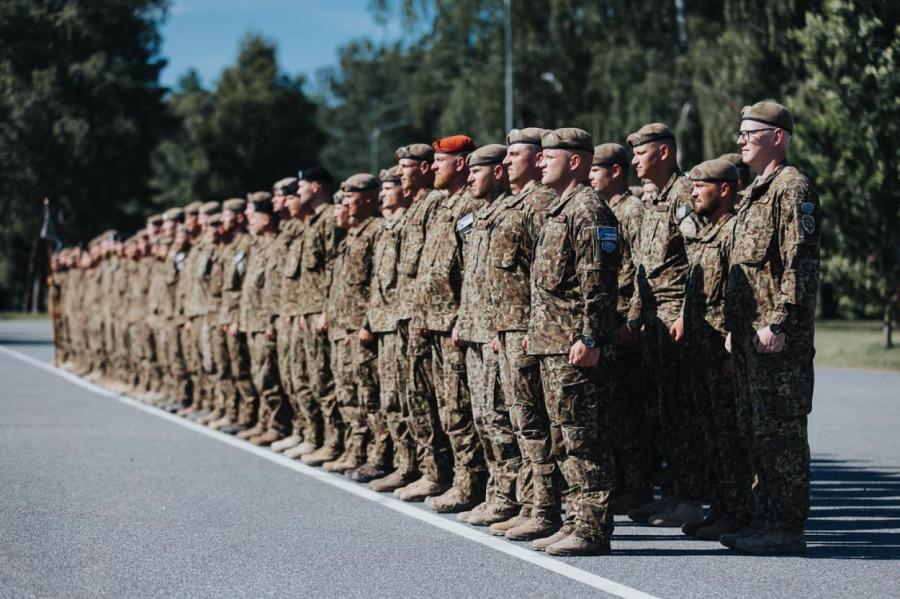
(464,225)
(688,228)
(681,212)
(179,260)
(608,238)
(808,223)
(239,257)
(608,246)
(807,207)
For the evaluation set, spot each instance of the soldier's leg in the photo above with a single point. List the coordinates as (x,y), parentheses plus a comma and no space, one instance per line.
(264,368)
(631,443)
(307,381)
(283,328)
(246,406)
(392,386)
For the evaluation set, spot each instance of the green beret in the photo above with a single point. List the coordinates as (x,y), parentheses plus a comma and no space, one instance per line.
(210,207)
(287,186)
(155,219)
(568,138)
(420,152)
(360,182)
(261,202)
(609,154)
(489,154)
(235,204)
(176,214)
(648,133)
(193,208)
(390,175)
(528,135)
(770,113)
(716,170)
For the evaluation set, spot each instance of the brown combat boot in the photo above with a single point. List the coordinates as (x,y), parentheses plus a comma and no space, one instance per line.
(677,515)
(491,513)
(573,545)
(251,432)
(643,513)
(365,473)
(534,528)
(454,500)
(559,535)
(420,490)
(286,443)
(391,482)
(267,438)
(498,529)
(342,464)
(320,456)
(300,450)
(220,423)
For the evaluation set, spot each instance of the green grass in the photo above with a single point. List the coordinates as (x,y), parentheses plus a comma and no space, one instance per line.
(23,316)
(855,344)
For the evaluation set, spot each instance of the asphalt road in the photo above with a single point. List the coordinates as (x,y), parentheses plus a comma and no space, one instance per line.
(101,497)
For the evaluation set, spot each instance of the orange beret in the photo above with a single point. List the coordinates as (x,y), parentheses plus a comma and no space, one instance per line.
(455,144)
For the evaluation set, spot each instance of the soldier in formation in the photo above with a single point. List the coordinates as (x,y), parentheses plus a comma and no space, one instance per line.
(508,332)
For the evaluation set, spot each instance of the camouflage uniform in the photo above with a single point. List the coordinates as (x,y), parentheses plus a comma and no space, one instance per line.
(392,345)
(713,391)
(629,413)
(354,365)
(238,396)
(573,294)
(773,279)
(438,288)
(512,242)
(489,408)
(432,447)
(289,338)
(317,247)
(211,337)
(668,227)
(173,356)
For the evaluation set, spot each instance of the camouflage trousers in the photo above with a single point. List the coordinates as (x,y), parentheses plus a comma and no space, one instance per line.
(315,390)
(287,343)
(631,434)
(238,395)
(189,336)
(774,397)
(520,377)
(392,352)
(356,387)
(208,366)
(577,404)
(264,370)
(171,356)
(451,388)
(432,447)
(676,422)
(492,423)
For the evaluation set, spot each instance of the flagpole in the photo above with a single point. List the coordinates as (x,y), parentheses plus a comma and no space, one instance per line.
(51,296)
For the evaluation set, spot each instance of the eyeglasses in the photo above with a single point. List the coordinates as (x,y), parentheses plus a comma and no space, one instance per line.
(744,136)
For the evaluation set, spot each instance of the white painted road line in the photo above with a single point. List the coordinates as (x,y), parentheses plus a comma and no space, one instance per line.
(388,501)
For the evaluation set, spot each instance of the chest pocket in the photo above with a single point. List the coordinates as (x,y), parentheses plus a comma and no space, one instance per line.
(552,255)
(445,246)
(753,234)
(413,239)
(711,270)
(292,268)
(504,247)
(313,253)
(657,231)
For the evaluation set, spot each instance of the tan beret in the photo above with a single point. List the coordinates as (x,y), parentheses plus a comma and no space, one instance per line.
(193,208)
(770,113)
(716,170)
(165,240)
(214,219)
(338,197)
(235,204)
(421,152)
(261,201)
(176,214)
(390,175)
(528,135)
(489,154)
(155,219)
(287,186)
(609,154)
(734,158)
(648,133)
(210,207)
(568,138)
(360,182)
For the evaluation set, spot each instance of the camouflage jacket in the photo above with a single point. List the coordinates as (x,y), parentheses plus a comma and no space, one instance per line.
(190,294)
(474,322)
(668,226)
(704,296)
(439,283)
(260,290)
(574,278)
(412,241)
(383,310)
(348,298)
(174,266)
(291,236)
(774,275)
(512,242)
(234,257)
(318,249)
(629,211)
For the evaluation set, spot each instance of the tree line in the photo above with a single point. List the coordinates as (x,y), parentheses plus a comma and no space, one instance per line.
(85,121)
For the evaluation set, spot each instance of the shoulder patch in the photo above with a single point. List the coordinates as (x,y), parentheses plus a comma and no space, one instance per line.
(688,228)
(807,207)
(681,212)
(607,239)
(808,222)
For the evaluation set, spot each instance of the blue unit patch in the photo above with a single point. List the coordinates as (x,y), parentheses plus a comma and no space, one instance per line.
(608,234)
(807,207)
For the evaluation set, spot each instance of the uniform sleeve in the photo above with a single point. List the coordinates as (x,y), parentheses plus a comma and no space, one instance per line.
(800,221)
(598,255)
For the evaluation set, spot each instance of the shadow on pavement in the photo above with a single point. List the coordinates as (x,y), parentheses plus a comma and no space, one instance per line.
(855,511)
(13,341)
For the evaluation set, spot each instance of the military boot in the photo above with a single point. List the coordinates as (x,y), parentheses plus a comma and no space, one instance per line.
(772,542)
(343,463)
(453,500)
(643,513)
(534,528)
(392,481)
(219,424)
(209,417)
(420,490)
(198,416)
(677,514)
(498,529)
(251,432)
(267,438)
(320,456)
(714,530)
(492,513)
(300,450)
(232,429)
(574,545)
(731,539)
(542,543)
(691,527)
(365,473)
(286,443)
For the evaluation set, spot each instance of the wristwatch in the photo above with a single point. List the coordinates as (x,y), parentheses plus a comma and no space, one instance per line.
(588,341)
(777,328)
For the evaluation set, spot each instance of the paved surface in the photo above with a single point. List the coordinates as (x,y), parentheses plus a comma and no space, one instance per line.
(99,498)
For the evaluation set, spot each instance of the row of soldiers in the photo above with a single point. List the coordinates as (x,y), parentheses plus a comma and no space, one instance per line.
(495,330)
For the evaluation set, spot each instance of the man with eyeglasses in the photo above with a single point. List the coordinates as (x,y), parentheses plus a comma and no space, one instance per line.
(770,304)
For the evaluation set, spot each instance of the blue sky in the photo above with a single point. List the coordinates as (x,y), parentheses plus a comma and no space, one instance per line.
(204,34)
